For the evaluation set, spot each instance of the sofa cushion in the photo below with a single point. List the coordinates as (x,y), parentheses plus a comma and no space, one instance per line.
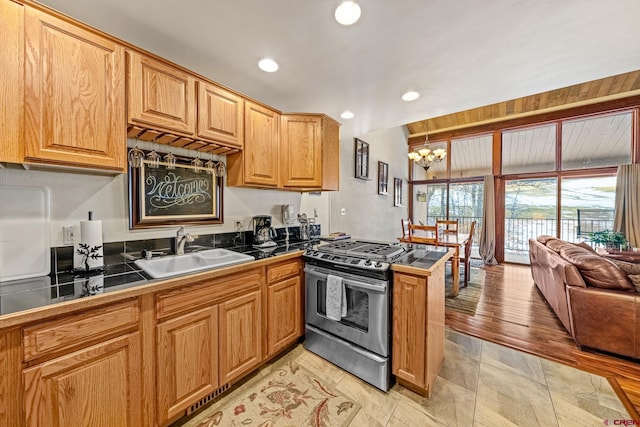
(545,238)
(627,267)
(586,246)
(596,271)
(556,244)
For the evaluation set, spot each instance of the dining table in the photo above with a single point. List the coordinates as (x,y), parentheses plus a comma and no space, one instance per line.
(450,240)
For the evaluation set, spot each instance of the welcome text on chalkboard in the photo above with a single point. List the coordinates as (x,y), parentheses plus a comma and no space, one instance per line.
(182,195)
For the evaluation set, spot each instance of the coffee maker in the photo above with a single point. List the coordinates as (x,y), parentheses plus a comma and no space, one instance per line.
(263,233)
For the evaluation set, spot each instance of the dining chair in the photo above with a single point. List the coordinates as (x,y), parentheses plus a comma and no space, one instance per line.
(427,234)
(405,230)
(447,226)
(467,254)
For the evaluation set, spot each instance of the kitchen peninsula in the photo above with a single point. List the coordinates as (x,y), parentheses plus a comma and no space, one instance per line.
(418,317)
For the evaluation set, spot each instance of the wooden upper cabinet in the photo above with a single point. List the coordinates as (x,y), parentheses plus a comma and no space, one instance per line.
(310,152)
(11,81)
(159,95)
(330,155)
(257,164)
(301,152)
(74,95)
(220,115)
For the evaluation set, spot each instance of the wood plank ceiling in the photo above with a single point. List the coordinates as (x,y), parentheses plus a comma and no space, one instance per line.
(602,90)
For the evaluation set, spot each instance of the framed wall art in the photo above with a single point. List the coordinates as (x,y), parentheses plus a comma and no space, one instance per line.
(160,196)
(383,178)
(397,192)
(361,159)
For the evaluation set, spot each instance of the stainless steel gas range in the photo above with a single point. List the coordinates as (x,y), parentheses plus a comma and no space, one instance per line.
(359,339)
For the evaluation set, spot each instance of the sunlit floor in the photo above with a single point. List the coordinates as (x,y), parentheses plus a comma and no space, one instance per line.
(479,384)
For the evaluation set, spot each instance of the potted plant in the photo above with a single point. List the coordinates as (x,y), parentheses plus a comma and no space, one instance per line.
(610,239)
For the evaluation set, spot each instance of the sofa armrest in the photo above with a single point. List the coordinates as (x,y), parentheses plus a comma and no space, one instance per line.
(605,320)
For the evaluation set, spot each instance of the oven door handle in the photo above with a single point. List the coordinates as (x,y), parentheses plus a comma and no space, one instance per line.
(348,282)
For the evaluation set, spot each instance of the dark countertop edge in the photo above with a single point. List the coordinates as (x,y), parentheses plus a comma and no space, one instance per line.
(152,285)
(422,262)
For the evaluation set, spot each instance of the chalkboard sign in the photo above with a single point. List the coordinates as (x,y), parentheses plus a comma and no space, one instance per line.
(184,195)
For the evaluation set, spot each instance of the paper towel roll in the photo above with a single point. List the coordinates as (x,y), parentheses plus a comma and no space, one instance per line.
(87,249)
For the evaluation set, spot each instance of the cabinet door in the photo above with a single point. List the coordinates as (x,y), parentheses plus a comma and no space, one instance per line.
(160,96)
(11,81)
(96,386)
(262,127)
(74,95)
(220,115)
(409,335)
(240,336)
(330,155)
(301,151)
(187,355)
(284,320)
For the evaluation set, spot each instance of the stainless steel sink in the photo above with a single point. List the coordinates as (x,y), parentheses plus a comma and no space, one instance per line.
(173,265)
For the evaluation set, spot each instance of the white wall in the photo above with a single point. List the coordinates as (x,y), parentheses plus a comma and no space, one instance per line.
(370,215)
(73,194)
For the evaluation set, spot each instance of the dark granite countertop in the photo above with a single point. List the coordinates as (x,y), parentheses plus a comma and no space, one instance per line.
(25,294)
(423,257)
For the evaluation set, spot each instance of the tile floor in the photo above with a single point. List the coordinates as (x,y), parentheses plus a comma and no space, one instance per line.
(480,384)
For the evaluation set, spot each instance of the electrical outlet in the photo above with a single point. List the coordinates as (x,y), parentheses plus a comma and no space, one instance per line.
(238,225)
(67,235)
(343,211)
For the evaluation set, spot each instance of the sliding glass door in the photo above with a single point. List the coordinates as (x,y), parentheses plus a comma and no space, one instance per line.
(530,211)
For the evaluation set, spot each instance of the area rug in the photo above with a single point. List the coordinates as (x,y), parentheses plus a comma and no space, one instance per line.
(467,299)
(288,396)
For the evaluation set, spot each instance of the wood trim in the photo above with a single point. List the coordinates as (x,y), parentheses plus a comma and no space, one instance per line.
(11,388)
(11,82)
(72,331)
(613,89)
(148,343)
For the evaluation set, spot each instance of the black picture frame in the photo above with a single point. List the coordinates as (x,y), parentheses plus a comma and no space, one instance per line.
(361,159)
(383,178)
(397,192)
(162,196)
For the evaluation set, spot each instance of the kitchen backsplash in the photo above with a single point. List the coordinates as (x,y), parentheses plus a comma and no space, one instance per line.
(118,252)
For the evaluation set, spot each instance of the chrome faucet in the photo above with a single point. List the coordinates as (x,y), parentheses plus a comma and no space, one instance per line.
(181,238)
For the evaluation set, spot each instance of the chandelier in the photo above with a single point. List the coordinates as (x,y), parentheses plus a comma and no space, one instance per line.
(425,158)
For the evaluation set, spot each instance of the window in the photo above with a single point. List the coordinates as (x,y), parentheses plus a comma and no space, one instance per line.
(529,150)
(587,206)
(471,157)
(597,142)
(530,211)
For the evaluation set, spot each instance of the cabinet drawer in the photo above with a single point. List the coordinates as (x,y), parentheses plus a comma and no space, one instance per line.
(205,292)
(70,331)
(283,270)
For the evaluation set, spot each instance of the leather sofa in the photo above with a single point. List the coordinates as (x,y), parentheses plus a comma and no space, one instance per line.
(594,297)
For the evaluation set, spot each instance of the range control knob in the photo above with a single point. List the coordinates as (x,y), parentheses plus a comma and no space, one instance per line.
(378,264)
(367,262)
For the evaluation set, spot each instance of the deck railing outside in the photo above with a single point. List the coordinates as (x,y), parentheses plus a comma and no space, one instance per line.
(520,230)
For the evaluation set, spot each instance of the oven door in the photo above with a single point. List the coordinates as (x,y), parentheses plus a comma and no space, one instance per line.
(367,321)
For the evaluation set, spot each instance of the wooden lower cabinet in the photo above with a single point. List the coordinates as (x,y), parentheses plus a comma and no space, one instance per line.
(418,329)
(96,386)
(187,361)
(240,335)
(284,307)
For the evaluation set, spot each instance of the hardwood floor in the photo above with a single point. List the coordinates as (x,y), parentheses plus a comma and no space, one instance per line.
(512,312)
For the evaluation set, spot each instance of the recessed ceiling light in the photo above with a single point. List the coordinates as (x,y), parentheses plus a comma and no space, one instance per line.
(268,65)
(410,96)
(347,115)
(348,12)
